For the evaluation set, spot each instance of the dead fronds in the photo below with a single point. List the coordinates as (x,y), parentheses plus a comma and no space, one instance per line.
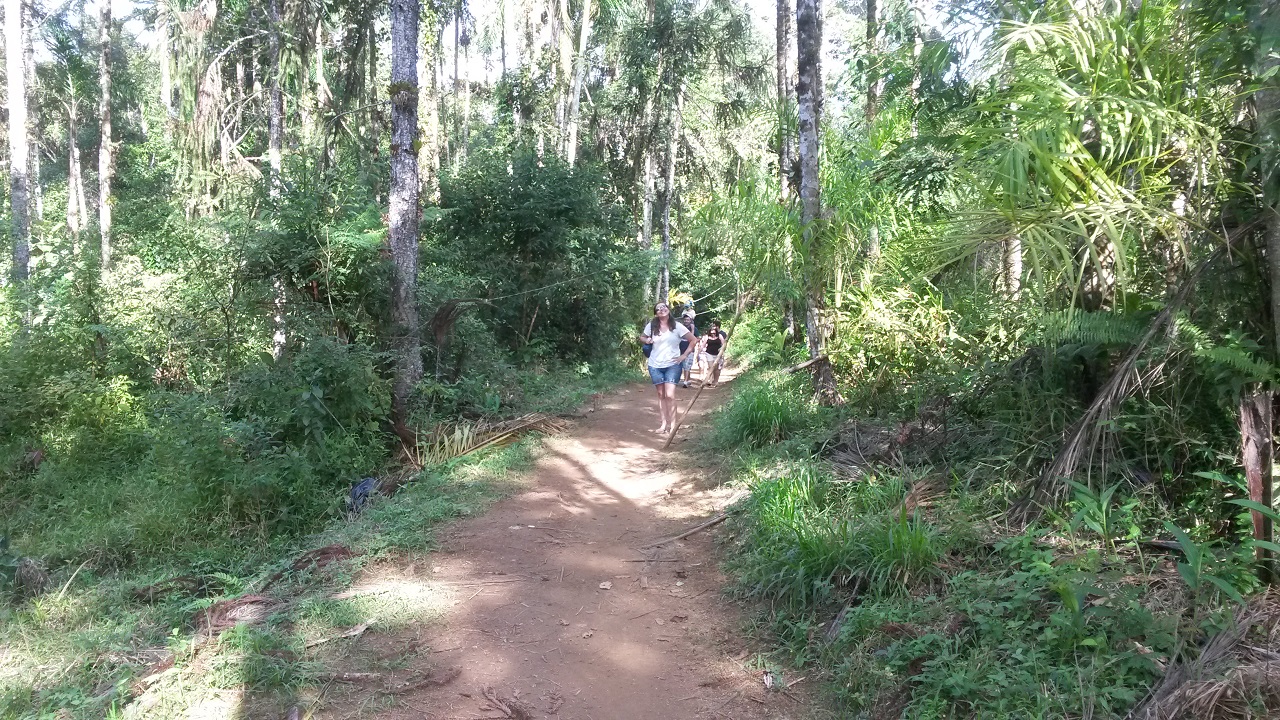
(1235,677)
(447,441)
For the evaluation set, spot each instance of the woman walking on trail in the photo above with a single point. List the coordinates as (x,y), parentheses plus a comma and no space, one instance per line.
(712,355)
(666,359)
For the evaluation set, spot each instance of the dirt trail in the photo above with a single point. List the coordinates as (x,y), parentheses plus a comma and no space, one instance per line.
(533,619)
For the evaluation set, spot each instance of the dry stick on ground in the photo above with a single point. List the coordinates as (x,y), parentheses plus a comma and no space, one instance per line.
(713,521)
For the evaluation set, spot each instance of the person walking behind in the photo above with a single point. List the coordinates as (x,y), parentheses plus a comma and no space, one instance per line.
(666,359)
(712,355)
(692,355)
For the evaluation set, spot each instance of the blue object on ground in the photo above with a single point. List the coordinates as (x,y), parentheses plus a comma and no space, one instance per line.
(360,494)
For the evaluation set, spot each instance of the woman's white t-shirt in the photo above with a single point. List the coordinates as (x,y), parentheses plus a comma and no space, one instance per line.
(666,347)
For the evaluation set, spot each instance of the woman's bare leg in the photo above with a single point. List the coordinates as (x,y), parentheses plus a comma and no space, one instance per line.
(669,420)
(662,407)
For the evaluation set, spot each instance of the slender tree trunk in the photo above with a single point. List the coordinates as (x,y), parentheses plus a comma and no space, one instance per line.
(33,110)
(275,119)
(1267,102)
(403,212)
(455,95)
(106,147)
(786,96)
(429,150)
(19,178)
(873,59)
(465,141)
(1256,456)
(809,96)
(76,210)
(579,76)
(165,60)
(668,193)
(917,52)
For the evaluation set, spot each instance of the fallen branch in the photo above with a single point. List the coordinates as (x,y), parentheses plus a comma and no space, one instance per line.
(805,364)
(356,631)
(712,522)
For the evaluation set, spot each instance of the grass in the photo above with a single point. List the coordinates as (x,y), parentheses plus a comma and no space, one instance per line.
(75,651)
(934,612)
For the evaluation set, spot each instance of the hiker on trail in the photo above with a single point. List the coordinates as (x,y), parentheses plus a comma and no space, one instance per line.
(665,360)
(692,356)
(712,355)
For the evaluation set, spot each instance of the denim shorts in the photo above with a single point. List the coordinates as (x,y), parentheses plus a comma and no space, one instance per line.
(669,374)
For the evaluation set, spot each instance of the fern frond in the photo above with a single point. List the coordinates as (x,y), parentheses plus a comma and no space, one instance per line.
(1091,328)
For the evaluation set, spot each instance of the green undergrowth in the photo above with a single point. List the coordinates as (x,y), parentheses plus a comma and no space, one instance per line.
(901,585)
(78,644)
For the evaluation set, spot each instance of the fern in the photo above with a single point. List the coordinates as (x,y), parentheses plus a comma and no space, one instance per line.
(1233,357)
(1091,328)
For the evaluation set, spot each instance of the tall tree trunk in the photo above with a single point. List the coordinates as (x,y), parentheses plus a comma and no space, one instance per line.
(917,52)
(106,147)
(275,100)
(668,193)
(873,59)
(19,178)
(465,140)
(76,210)
(403,215)
(455,95)
(428,104)
(1267,102)
(809,96)
(579,76)
(1256,457)
(786,96)
(324,95)
(164,59)
(33,110)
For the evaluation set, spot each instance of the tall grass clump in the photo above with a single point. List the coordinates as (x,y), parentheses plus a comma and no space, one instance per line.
(815,541)
(769,409)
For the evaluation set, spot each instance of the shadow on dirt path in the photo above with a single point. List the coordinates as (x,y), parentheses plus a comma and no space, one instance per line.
(556,612)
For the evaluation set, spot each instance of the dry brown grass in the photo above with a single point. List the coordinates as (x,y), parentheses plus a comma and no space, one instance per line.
(1235,677)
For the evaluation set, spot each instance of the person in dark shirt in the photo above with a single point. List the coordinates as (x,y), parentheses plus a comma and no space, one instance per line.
(712,352)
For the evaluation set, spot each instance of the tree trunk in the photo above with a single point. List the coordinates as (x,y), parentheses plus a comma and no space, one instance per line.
(428,104)
(33,111)
(275,119)
(1267,102)
(464,140)
(873,58)
(403,215)
(668,193)
(809,96)
(1255,437)
(76,210)
(579,76)
(19,178)
(164,59)
(786,96)
(106,148)
(917,52)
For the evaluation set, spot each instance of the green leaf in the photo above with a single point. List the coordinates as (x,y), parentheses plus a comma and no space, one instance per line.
(1226,588)
(1256,506)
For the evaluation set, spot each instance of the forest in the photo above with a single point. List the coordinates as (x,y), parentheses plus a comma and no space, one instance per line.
(1001,280)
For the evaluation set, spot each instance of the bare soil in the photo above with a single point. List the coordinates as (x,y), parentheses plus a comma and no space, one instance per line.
(559,613)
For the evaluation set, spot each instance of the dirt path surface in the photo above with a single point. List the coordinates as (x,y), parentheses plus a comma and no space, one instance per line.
(557,612)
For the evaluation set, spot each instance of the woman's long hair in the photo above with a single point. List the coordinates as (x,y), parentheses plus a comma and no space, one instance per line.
(654,326)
